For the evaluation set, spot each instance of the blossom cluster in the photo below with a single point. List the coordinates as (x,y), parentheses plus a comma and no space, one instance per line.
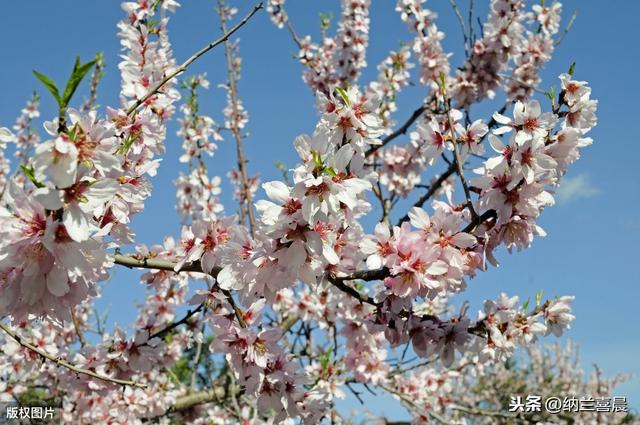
(433,394)
(89,180)
(536,50)
(5,165)
(403,165)
(515,183)
(335,61)
(278,14)
(393,75)
(503,38)
(197,192)
(427,42)
(315,323)
(302,231)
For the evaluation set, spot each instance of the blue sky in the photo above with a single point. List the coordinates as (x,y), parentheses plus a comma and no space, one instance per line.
(591,247)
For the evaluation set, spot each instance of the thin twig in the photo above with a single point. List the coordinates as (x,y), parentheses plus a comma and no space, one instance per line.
(410,368)
(164,331)
(432,190)
(385,203)
(412,404)
(354,392)
(402,130)
(238,312)
(295,37)
(472,32)
(189,61)
(339,283)
(456,158)
(467,46)
(196,360)
(61,362)
(156,264)
(233,95)
(481,412)
(522,83)
(76,326)
(96,76)
(463,181)
(568,28)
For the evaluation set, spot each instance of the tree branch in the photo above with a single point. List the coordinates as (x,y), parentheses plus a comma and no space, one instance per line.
(153,263)
(379,274)
(485,216)
(339,283)
(432,190)
(567,29)
(200,397)
(161,333)
(481,412)
(402,130)
(139,261)
(456,155)
(413,405)
(63,363)
(233,95)
(189,61)
(466,37)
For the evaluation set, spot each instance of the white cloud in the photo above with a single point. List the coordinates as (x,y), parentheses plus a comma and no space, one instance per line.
(574,188)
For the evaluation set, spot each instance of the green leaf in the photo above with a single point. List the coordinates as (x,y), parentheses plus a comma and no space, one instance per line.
(525,305)
(572,69)
(343,94)
(30,174)
(443,83)
(539,297)
(326,357)
(129,141)
(283,170)
(50,85)
(551,95)
(78,73)
(330,171)
(317,160)
(325,20)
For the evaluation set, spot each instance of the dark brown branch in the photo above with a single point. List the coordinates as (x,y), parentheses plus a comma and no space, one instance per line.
(153,263)
(485,216)
(456,153)
(402,130)
(432,190)
(367,275)
(161,333)
(237,311)
(339,283)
